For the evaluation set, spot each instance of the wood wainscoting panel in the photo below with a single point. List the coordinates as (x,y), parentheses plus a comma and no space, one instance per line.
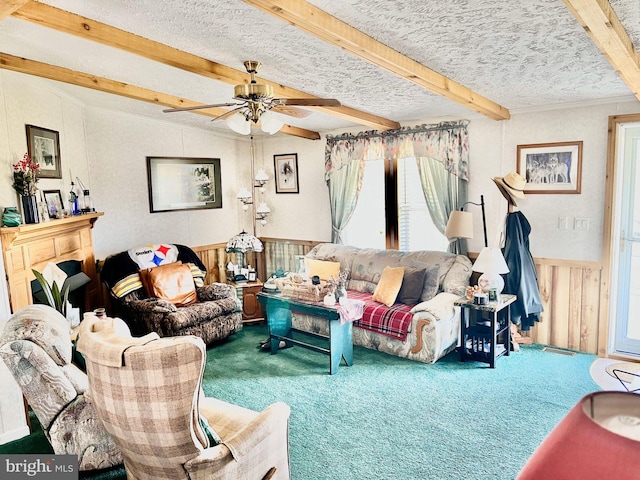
(215,260)
(277,253)
(570,294)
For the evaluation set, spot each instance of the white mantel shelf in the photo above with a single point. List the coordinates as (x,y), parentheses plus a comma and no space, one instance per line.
(34,245)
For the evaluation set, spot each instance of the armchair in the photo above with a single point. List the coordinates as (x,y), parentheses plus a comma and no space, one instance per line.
(36,347)
(165,427)
(215,314)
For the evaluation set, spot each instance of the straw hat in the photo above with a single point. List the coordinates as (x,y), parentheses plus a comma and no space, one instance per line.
(511,185)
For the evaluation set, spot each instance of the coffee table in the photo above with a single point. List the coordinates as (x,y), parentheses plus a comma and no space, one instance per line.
(279,310)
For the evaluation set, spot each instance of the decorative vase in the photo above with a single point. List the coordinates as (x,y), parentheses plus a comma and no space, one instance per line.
(11,217)
(341,291)
(30,208)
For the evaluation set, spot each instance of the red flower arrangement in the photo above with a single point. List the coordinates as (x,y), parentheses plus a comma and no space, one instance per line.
(25,176)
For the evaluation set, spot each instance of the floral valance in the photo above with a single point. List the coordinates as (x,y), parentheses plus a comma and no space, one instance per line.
(446,142)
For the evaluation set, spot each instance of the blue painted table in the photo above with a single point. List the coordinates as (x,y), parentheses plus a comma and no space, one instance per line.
(279,309)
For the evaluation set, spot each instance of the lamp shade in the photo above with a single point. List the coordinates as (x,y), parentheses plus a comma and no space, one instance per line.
(244,195)
(460,225)
(270,123)
(243,242)
(261,176)
(239,124)
(490,260)
(263,209)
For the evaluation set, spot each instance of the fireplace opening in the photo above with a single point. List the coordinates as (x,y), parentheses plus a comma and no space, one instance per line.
(76,279)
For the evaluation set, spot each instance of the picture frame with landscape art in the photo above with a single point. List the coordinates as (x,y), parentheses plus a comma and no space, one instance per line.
(286,173)
(177,183)
(43,146)
(551,167)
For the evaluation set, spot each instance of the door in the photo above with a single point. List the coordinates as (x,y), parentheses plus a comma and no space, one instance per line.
(626,259)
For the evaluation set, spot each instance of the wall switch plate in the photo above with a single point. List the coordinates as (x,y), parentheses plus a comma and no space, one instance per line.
(563,223)
(581,223)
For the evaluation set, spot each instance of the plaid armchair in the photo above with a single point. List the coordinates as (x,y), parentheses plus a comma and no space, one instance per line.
(214,315)
(148,394)
(36,347)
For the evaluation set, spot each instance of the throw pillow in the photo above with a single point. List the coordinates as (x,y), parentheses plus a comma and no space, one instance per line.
(431,283)
(172,282)
(389,285)
(323,269)
(412,285)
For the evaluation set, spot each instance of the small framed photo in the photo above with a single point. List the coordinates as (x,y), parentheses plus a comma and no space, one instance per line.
(183,183)
(252,276)
(286,173)
(43,146)
(53,199)
(551,167)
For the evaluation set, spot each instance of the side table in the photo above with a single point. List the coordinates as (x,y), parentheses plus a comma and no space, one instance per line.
(251,307)
(485,333)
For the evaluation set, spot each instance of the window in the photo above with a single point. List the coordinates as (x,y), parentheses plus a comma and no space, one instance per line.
(368,225)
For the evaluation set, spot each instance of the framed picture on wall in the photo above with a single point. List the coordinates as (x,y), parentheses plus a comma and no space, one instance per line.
(53,199)
(183,183)
(286,173)
(43,146)
(551,167)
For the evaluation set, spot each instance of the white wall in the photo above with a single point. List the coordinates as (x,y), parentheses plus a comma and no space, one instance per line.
(302,216)
(29,100)
(493,153)
(118,145)
(109,149)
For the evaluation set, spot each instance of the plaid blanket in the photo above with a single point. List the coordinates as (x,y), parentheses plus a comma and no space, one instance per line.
(391,321)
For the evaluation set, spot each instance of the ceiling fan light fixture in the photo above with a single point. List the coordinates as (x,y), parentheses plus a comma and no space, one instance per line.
(239,124)
(269,123)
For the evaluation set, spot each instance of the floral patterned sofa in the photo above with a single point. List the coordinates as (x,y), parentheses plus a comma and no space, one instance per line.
(425,331)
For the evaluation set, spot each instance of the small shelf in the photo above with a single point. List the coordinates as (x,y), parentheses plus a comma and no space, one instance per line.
(485,330)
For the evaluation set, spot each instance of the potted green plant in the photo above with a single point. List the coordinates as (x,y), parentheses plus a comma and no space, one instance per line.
(56,298)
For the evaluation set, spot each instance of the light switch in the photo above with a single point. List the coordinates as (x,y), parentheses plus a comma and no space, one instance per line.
(581,223)
(563,223)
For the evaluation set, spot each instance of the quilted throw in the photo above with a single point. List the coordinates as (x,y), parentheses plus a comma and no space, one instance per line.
(391,321)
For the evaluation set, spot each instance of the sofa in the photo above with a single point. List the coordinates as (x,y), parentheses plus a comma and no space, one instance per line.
(424,330)
(160,288)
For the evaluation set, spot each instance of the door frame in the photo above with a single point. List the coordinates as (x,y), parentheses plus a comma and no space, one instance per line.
(605,336)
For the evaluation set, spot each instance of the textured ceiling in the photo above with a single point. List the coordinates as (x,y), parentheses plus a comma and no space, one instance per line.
(520,54)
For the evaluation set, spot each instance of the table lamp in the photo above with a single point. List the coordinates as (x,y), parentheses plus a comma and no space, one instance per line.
(242,243)
(491,264)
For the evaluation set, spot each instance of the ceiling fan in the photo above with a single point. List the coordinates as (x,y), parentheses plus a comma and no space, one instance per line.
(256,104)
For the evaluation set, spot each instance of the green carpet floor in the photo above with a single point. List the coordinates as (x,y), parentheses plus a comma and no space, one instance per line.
(390,418)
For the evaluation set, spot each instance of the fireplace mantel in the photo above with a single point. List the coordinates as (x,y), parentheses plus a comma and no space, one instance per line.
(32,246)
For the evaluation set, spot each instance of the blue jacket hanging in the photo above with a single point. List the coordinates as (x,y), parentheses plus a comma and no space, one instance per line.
(522,279)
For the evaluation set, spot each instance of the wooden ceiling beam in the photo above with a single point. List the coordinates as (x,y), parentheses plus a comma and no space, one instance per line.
(73,77)
(7,7)
(86,28)
(605,29)
(328,28)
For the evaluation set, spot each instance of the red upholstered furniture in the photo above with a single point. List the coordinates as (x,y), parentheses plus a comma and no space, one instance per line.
(599,438)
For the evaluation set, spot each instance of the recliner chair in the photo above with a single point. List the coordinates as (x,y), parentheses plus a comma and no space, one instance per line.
(215,315)
(148,394)
(36,347)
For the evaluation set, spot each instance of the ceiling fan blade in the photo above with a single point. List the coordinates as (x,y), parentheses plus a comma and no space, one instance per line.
(199,107)
(311,102)
(228,114)
(291,111)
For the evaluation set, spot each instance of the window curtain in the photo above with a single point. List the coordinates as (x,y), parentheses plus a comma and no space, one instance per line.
(344,167)
(441,151)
